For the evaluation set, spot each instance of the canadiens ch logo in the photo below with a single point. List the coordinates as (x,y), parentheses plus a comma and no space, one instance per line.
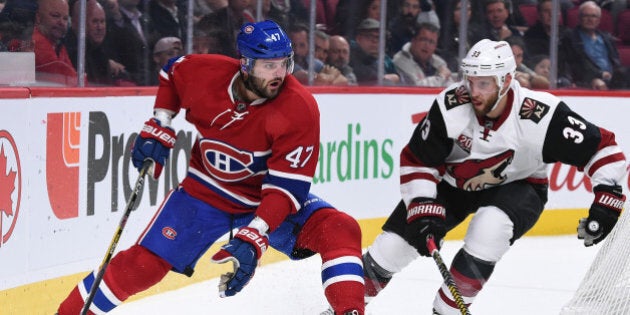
(169,232)
(225,162)
(533,110)
(456,97)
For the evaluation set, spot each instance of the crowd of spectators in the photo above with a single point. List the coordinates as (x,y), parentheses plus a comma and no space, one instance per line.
(127,41)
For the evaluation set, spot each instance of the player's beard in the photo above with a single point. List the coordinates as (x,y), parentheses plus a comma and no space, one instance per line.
(262,88)
(488,105)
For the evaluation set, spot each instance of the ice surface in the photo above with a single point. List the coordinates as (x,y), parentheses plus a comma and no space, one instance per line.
(537,276)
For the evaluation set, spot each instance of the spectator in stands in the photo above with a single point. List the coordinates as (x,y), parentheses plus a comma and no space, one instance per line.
(322,45)
(99,69)
(364,56)
(52,63)
(537,37)
(496,25)
(410,14)
(227,21)
(541,64)
(126,41)
(402,25)
(206,42)
(417,63)
(165,48)
(17,20)
(515,18)
(324,74)
(339,57)
(428,13)
(448,45)
(524,75)
(166,19)
(594,51)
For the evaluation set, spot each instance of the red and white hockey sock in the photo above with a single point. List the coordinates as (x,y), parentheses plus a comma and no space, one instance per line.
(337,238)
(129,272)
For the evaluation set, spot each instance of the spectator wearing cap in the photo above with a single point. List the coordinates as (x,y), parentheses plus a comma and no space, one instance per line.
(17,20)
(364,52)
(165,49)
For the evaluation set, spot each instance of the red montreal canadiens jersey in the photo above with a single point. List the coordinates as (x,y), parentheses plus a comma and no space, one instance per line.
(247,157)
(452,144)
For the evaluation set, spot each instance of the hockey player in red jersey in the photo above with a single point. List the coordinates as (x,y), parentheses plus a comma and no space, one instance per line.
(483,148)
(251,168)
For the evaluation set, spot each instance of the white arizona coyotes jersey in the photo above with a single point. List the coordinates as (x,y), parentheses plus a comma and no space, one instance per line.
(471,153)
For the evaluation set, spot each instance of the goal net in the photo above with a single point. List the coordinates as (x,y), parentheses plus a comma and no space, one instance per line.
(605,289)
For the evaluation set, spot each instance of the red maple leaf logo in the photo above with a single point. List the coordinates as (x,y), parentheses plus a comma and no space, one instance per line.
(7,185)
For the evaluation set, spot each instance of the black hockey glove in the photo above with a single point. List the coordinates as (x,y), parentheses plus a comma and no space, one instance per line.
(603,214)
(425,216)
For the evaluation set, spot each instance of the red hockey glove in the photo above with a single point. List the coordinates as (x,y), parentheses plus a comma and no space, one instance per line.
(425,216)
(244,250)
(603,214)
(155,143)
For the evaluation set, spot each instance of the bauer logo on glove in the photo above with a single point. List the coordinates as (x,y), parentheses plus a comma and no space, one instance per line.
(154,143)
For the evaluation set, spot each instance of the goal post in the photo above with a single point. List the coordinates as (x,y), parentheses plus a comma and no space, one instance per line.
(605,288)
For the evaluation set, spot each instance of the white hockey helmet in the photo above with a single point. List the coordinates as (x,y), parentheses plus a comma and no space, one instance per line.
(489,58)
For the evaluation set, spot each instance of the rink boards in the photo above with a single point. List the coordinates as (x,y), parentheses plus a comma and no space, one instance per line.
(65,156)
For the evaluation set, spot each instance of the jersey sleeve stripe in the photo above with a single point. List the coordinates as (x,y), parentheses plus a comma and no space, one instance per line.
(217,188)
(415,176)
(292,176)
(603,157)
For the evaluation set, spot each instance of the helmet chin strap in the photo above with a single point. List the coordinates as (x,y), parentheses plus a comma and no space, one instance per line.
(499,94)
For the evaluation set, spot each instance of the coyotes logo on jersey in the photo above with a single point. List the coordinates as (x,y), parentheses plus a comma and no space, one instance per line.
(477,174)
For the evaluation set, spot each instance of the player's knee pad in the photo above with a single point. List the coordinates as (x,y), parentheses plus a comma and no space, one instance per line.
(134,270)
(392,252)
(489,234)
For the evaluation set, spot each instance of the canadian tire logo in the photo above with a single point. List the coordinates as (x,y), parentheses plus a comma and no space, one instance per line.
(63,137)
(10,185)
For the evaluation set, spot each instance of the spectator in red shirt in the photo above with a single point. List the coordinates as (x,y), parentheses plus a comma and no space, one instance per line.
(52,63)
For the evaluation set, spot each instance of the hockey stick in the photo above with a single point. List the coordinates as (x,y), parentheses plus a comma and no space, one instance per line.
(448,277)
(112,246)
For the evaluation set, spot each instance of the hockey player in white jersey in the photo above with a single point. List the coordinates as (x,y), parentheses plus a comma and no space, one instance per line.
(483,148)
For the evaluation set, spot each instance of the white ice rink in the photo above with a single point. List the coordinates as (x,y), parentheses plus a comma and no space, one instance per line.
(537,276)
